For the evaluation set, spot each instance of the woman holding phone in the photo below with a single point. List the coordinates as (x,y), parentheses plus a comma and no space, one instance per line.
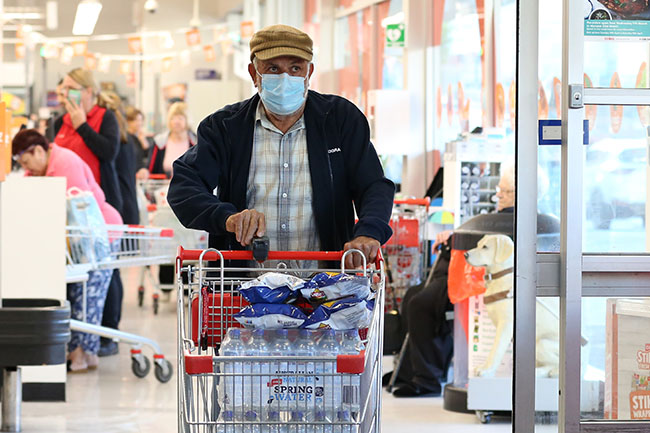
(89,130)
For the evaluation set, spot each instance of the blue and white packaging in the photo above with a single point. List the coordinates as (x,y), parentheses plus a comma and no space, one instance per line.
(270,288)
(348,313)
(324,287)
(271,316)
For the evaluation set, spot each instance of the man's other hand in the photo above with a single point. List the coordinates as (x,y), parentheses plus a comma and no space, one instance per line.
(246,225)
(369,247)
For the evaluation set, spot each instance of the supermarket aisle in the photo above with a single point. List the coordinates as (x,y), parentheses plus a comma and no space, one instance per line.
(112,400)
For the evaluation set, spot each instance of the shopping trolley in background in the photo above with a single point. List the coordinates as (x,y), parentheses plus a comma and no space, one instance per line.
(155,210)
(131,246)
(203,321)
(406,252)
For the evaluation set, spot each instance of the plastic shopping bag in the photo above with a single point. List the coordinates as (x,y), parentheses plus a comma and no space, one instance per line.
(464,280)
(88,238)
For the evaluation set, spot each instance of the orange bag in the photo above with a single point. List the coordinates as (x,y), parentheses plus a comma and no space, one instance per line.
(464,280)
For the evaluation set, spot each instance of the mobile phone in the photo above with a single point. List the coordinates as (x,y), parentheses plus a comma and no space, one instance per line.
(74,95)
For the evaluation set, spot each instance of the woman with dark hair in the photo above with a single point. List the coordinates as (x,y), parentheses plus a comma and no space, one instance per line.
(38,158)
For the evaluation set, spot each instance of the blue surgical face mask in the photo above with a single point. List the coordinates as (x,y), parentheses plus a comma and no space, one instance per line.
(282,94)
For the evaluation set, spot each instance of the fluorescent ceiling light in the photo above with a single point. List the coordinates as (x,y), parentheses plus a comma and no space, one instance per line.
(86,18)
(9,16)
(52,15)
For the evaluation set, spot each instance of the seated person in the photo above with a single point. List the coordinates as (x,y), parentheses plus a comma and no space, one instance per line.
(38,158)
(429,349)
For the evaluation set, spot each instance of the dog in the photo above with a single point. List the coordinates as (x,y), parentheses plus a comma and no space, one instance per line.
(495,254)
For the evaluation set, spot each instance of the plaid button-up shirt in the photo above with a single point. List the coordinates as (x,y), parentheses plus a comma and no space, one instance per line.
(279,185)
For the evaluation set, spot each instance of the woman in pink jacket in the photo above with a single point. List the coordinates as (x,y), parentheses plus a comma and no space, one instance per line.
(38,158)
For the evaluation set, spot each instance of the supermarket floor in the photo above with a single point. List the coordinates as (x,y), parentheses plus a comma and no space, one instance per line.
(112,400)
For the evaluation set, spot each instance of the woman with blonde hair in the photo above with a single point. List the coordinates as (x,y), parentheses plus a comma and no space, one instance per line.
(171,144)
(91,131)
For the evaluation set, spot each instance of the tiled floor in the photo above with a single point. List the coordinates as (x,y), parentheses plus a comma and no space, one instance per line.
(112,400)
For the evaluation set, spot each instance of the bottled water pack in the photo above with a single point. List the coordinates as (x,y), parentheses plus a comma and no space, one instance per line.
(287,395)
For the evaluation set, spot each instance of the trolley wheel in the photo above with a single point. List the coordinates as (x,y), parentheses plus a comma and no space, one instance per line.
(140,296)
(140,369)
(156,303)
(163,370)
(484,416)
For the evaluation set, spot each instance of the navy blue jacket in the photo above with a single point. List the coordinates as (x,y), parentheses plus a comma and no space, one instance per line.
(344,166)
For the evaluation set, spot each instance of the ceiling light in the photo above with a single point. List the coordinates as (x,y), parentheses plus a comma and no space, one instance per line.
(52,15)
(86,18)
(9,16)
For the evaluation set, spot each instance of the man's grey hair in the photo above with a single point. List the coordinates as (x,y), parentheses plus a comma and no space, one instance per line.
(508,173)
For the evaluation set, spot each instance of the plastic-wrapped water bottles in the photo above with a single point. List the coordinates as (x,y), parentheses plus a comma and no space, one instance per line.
(331,395)
(351,345)
(254,386)
(231,386)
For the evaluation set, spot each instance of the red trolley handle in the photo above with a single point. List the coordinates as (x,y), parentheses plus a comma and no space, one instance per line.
(194,255)
(415,201)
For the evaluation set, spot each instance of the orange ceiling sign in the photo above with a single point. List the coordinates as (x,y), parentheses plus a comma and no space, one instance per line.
(90,62)
(20,50)
(135,44)
(167,64)
(126,67)
(210,53)
(246,29)
(193,37)
(80,48)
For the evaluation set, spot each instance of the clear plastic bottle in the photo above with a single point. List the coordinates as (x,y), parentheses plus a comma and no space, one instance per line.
(305,347)
(331,400)
(351,345)
(232,392)
(254,386)
(282,347)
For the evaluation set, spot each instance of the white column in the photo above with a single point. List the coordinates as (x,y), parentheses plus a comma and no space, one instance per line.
(414,175)
(526,215)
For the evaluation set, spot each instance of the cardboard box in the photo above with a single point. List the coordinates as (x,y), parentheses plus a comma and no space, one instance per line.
(627,359)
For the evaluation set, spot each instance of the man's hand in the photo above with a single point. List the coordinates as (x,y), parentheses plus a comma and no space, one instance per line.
(77,113)
(442,238)
(246,224)
(369,247)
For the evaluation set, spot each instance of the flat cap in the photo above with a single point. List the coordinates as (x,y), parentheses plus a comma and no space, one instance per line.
(280,40)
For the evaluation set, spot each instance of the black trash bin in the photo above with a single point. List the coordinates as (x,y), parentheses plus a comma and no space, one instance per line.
(32,332)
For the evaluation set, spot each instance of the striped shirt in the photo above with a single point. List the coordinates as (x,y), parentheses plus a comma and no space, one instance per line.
(279,185)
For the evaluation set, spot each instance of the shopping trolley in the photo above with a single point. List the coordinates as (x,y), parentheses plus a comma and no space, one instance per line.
(213,298)
(155,210)
(131,246)
(406,252)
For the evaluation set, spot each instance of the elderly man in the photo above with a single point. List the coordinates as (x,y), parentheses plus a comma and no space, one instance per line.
(430,344)
(289,162)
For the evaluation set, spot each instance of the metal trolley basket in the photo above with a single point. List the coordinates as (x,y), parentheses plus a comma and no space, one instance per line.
(205,377)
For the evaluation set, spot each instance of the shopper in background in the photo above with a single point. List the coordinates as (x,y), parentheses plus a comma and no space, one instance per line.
(125,166)
(171,144)
(429,348)
(289,163)
(125,161)
(141,141)
(32,151)
(91,131)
